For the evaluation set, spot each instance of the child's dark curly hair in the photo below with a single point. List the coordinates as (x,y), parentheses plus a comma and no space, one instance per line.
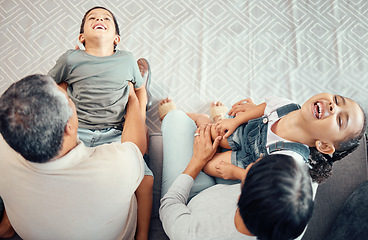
(321,164)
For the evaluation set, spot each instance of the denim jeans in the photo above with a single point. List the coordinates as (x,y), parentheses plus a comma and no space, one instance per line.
(93,138)
(248,141)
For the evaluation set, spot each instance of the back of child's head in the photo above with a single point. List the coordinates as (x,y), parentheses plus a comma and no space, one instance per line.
(276,200)
(321,164)
(117,31)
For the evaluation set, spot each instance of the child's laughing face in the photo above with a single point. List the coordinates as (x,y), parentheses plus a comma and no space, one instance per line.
(332,118)
(99,24)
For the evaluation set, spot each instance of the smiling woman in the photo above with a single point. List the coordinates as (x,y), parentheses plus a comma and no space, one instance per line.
(217,211)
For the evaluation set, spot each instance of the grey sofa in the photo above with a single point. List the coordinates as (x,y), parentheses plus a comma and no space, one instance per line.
(347,175)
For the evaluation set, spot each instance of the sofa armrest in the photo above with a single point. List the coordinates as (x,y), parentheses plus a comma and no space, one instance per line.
(155,154)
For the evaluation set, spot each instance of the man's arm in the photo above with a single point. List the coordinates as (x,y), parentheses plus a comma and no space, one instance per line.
(63,85)
(134,126)
(142,98)
(174,213)
(6,230)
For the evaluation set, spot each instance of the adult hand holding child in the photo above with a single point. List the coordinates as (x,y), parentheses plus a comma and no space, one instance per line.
(203,150)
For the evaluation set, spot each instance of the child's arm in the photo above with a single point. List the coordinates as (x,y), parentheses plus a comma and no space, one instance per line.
(226,127)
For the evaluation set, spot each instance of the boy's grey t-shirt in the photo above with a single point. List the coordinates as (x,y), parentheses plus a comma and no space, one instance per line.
(98,86)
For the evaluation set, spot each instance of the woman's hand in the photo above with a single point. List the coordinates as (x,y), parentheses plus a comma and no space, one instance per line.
(203,150)
(241,106)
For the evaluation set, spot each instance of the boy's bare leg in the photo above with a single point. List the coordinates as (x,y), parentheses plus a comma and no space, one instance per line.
(6,230)
(144,194)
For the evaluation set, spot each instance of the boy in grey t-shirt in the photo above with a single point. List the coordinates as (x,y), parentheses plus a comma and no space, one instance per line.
(96,79)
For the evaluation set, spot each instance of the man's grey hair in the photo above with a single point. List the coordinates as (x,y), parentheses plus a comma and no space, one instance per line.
(33,117)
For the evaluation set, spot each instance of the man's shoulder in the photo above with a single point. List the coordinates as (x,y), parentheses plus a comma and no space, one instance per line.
(118,148)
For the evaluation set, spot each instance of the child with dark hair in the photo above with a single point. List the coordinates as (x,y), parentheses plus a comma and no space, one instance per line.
(281,178)
(323,130)
(96,79)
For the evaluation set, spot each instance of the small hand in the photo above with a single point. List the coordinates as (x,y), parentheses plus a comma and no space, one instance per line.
(225,170)
(225,127)
(241,106)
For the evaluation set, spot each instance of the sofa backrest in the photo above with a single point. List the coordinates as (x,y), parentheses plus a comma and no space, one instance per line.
(347,174)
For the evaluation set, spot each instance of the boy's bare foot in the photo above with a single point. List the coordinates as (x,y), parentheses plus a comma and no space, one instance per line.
(166,105)
(217,111)
(145,70)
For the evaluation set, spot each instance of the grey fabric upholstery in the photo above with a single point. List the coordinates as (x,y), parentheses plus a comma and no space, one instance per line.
(347,175)
(155,164)
(352,221)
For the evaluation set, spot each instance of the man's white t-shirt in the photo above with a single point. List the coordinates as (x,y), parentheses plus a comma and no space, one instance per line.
(86,194)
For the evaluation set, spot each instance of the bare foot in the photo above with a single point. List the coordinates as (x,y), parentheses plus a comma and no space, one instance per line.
(226,170)
(143,66)
(165,106)
(217,111)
